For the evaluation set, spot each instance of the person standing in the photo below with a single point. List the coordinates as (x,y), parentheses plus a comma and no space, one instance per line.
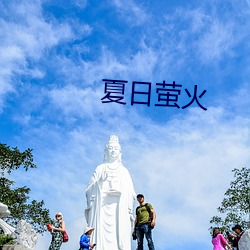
(85,239)
(143,225)
(218,240)
(56,231)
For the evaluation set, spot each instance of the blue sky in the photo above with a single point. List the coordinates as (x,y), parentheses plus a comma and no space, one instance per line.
(53,57)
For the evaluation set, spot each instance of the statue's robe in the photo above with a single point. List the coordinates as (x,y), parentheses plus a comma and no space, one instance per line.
(110,197)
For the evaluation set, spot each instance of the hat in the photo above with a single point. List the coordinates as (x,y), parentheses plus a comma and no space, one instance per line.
(140,195)
(237,227)
(59,213)
(87,229)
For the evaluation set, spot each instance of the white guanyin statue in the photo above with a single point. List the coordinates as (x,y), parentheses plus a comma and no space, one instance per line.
(110,198)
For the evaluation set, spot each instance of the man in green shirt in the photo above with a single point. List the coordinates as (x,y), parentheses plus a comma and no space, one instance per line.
(144,223)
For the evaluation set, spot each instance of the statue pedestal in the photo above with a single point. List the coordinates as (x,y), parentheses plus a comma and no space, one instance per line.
(13,247)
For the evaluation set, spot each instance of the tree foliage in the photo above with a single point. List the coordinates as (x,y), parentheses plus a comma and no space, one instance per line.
(17,199)
(235,206)
(12,159)
(6,239)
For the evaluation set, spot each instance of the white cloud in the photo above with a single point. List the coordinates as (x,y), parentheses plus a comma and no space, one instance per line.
(199,33)
(131,12)
(25,35)
(82,102)
(84,73)
(32,33)
(80,3)
(143,63)
(138,66)
(198,19)
(106,66)
(217,42)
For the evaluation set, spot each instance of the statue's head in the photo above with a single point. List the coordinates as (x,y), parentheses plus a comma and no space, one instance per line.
(113,150)
(4,211)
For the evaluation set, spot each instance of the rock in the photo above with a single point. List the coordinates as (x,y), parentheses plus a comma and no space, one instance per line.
(244,242)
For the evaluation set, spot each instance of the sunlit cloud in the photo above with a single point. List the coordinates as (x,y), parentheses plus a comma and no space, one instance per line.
(131,12)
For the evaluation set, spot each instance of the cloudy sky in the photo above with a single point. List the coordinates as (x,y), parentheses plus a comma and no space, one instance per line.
(54,56)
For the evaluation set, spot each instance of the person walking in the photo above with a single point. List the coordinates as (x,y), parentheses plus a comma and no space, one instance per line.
(85,239)
(144,223)
(56,231)
(218,240)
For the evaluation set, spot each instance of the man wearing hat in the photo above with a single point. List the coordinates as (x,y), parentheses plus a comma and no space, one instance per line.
(144,223)
(239,231)
(84,240)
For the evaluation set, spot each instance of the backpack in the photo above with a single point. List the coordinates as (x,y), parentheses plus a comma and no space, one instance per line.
(149,212)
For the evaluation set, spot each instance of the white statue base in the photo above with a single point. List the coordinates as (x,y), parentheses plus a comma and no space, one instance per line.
(13,247)
(7,229)
(25,236)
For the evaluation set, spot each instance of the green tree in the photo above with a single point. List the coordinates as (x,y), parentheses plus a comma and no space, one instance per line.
(17,199)
(235,206)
